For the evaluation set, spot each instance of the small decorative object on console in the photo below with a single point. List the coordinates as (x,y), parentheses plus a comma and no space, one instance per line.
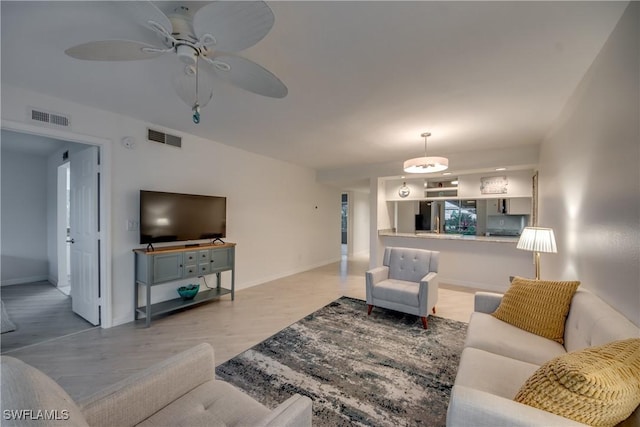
(189,291)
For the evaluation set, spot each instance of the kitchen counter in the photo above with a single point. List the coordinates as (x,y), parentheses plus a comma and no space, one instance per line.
(442,236)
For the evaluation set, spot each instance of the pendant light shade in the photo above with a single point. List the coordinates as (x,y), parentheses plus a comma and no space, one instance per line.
(426,164)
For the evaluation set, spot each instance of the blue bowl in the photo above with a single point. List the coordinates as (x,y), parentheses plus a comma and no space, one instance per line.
(189,291)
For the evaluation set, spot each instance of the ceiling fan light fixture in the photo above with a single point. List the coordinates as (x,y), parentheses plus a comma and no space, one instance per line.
(426,164)
(186,54)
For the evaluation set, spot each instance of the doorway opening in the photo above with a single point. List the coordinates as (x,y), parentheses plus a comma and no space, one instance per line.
(70,145)
(344,228)
(64,250)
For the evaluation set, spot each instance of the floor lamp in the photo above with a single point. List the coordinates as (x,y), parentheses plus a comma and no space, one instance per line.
(537,239)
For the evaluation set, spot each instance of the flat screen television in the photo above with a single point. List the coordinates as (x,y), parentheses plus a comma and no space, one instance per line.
(175,217)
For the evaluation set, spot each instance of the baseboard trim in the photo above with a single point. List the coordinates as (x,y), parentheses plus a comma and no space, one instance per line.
(491,287)
(21,280)
(287,273)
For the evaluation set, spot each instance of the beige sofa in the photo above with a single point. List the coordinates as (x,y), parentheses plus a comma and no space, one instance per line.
(181,390)
(498,358)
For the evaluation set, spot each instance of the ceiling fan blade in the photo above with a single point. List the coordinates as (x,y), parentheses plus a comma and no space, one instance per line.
(113,50)
(145,11)
(247,75)
(234,25)
(184,82)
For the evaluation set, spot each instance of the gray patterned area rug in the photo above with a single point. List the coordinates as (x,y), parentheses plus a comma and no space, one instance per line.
(359,370)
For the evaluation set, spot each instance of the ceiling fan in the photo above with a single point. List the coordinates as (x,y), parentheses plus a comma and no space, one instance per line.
(197,33)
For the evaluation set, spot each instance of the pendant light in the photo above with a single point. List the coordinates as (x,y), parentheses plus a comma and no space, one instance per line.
(426,164)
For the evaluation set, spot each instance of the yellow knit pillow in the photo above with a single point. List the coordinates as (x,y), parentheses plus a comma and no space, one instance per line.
(599,386)
(537,306)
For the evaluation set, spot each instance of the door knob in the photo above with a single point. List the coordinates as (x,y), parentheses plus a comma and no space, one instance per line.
(71,241)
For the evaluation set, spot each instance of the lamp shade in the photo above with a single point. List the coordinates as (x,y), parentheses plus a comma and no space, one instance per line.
(426,164)
(537,239)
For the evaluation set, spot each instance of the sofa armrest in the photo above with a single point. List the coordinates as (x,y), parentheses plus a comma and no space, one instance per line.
(486,302)
(293,412)
(472,407)
(134,399)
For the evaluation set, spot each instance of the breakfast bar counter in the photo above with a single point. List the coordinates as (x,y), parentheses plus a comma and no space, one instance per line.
(443,236)
(478,262)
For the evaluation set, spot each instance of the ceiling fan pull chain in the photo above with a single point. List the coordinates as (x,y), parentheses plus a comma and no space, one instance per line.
(196,107)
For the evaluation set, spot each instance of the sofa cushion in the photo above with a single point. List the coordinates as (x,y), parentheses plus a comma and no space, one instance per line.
(214,403)
(397,291)
(485,332)
(25,388)
(492,373)
(599,386)
(538,306)
(591,322)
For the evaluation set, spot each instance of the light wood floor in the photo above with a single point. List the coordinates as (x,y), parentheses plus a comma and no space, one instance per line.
(40,312)
(84,363)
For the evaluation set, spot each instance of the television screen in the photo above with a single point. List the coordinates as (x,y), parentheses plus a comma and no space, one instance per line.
(173,217)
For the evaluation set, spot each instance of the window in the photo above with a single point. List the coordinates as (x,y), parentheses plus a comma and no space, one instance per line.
(460,217)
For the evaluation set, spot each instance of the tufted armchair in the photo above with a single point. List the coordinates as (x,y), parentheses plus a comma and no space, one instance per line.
(406,282)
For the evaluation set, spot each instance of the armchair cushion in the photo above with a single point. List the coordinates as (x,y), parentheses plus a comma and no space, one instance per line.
(398,291)
(214,403)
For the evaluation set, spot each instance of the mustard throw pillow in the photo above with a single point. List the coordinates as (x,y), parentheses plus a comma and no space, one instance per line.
(537,306)
(599,386)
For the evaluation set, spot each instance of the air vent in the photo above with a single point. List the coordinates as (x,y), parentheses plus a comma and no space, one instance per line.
(164,138)
(48,118)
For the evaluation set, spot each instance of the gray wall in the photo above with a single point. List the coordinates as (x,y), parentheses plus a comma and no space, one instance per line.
(24,218)
(590,179)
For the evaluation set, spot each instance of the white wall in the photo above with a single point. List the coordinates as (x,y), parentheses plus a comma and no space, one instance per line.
(361,214)
(24,218)
(277,213)
(590,179)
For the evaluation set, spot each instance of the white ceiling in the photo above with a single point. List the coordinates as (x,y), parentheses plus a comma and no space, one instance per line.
(365,78)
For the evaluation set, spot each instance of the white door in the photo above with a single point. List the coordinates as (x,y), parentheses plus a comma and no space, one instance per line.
(85,282)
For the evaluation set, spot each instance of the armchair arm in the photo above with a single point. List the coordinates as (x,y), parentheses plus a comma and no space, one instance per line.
(293,412)
(474,407)
(428,293)
(486,302)
(377,274)
(132,400)
(374,276)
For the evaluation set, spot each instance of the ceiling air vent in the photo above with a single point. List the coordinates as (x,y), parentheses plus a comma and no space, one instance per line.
(164,138)
(48,118)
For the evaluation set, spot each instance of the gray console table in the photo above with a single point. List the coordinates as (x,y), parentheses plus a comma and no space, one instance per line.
(168,264)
